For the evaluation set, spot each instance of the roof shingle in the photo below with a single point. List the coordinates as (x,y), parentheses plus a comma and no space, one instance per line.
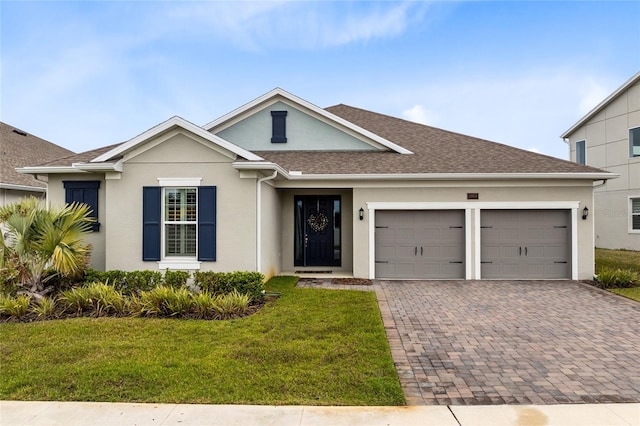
(434,151)
(20,149)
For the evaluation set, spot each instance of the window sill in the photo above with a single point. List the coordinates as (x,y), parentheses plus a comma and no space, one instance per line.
(179,264)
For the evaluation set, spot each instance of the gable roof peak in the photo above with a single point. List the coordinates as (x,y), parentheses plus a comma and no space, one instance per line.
(630,82)
(166,125)
(324,113)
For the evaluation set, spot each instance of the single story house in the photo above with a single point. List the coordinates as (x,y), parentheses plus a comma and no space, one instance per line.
(280,185)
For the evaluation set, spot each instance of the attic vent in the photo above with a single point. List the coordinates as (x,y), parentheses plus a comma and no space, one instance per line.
(20,132)
(279,126)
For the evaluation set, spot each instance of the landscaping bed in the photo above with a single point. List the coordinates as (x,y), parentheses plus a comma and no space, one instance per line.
(309,347)
(618,271)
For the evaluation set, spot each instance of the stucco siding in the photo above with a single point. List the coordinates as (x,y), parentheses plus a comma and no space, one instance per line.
(271,219)
(8,196)
(303,133)
(612,221)
(607,147)
(182,157)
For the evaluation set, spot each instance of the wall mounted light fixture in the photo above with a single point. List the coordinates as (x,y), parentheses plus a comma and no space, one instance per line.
(361,211)
(585,213)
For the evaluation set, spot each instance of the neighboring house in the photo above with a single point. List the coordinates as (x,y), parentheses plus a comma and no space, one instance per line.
(19,149)
(280,185)
(608,137)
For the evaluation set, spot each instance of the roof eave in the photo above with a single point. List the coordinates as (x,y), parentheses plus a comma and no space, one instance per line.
(262,165)
(593,176)
(22,187)
(74,168)
(168,125)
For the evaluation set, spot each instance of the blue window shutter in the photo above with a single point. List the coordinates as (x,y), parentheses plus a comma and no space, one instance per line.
(278,126)
(151,222)
(207,223)
(83,192)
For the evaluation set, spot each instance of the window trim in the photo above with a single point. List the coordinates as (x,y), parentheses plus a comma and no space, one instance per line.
(631,146)
(165,222)
(176,262)
(630,214)
(583,142)
(153,224)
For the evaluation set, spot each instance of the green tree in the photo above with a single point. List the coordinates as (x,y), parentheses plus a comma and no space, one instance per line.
(35,239)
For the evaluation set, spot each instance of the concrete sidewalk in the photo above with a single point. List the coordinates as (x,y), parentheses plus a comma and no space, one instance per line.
(109,414)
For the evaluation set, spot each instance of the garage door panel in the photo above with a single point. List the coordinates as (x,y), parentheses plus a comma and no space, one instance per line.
(426,243)
(524,244)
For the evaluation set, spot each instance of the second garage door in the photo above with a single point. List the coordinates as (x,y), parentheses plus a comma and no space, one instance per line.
(427,244)
(525,244)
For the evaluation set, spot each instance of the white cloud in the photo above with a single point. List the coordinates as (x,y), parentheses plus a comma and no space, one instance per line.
(293,25)
(593,94)
(533,149)
(419,114)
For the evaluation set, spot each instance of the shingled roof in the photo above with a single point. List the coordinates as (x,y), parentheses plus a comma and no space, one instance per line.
(435,151)
(19,149)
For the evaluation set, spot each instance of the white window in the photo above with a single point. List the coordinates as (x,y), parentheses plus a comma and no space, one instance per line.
(634,142)
(634,214)
(180,222)
(581,152)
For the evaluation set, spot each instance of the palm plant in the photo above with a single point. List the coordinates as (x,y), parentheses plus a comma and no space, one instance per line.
(36,239)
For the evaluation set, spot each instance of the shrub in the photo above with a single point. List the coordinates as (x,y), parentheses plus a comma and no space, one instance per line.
(137,281)
(176,279)
(94,299)
(35,238)
(45,308)
(126,282)
(250,283)
(163,301)
(232,304)
(9,282)
(107,300)
(611,278)
(14,307)
(205,305)
(77,300)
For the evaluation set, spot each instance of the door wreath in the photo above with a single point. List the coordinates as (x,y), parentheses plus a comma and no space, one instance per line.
(318,221)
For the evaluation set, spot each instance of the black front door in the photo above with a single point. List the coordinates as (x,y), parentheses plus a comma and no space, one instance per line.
(317,230)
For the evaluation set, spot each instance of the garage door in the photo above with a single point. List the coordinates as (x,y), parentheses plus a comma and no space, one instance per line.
(420,244)
(525,244)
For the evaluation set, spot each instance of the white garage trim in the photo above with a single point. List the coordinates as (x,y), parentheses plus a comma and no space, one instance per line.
(472,238)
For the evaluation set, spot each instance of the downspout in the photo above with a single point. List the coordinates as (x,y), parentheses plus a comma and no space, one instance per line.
(46,192)
(259,219)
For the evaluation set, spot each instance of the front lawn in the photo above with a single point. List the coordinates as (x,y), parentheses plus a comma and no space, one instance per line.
(631,293)
(310,346)
(620,259)
(617,259)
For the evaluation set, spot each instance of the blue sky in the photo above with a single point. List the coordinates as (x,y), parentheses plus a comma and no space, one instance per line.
(90,74)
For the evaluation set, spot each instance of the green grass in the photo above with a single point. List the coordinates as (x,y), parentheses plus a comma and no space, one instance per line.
(631,293)
(310,346)
(617,259)
(620,259)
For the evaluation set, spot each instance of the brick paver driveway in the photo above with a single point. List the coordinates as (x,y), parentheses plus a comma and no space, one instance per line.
(522,342)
